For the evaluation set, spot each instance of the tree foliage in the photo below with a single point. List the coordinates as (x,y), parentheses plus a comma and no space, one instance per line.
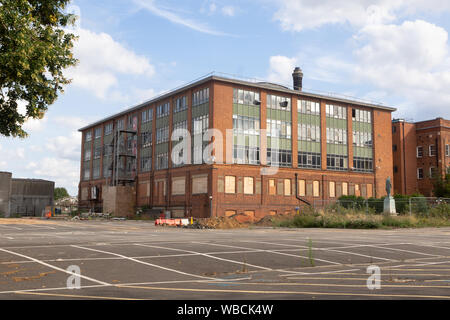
(60,193)
(34,51)
(441,185)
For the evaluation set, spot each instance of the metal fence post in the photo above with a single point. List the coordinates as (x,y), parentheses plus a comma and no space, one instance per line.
(410,206)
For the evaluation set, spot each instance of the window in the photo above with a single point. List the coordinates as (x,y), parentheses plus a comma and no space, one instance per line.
(180,104)
(362,164)
(246,125)
(337,136)
(97,152)
(246,97)
(87,174)
(162,161)
(362,116)
(88,136)
(248,185)
(200,97)
(395,169)
(332,189)
(272,187)
(87,155)
(245,155)
(280,158)
(420,173)
(308,132)
(394,147)
(337,162)
(200,124)
(147,116)
(345,189)
(369,190)
(316,189)
(433,172)
(278,103)
(98,133)
(108,129)
(447,150)
(146,164)
(163,110)
(146,139)
(419,152)
(107,170)
(162,135)
(302,188)
(287,187)
(309,160)
(120,124)
(394,129)
(336,112)
(178,186)
(308,107)
(180,125)
(96,172)
(230,184)
(432,151)
(279,129)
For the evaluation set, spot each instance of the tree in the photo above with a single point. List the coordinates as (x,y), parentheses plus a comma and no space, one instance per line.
(60,193)
(441,185)
(35,49)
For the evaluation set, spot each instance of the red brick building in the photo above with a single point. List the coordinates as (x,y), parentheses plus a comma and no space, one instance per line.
(421,150)
(324,146)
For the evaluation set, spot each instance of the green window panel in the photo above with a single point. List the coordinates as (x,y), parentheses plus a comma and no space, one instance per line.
(87,145)
(337,123)
(108,139)
(200,110)
(246,111)
(309,119)
(162,122)
(308,146)
(146,152)
(340,150)
(162,148)
(145,127)
(283,144)
(363,152)
(96,163)
(361,126)
(179,116)
(279,115)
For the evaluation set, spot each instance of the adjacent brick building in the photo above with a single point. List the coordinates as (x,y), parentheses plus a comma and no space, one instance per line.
(324,146)
(421,151)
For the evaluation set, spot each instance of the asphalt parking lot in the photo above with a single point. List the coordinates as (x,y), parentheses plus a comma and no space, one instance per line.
(136,260)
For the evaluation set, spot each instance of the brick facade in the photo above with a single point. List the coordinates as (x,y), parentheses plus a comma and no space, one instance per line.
(252,196)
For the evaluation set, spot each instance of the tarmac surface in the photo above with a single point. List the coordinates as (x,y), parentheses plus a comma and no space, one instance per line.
(136,260)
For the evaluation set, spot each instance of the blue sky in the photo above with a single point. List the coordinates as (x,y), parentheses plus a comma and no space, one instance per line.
(394,52)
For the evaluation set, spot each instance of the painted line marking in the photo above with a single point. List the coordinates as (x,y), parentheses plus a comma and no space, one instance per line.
(144,263)
(73,296)
(53,267)
(208,256)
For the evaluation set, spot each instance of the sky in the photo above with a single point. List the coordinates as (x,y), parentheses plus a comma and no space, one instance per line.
(393,52)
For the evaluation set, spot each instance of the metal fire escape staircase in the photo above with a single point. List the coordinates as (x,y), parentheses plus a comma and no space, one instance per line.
(123,153)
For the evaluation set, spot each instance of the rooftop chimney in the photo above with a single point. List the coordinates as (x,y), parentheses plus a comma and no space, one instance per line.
(298,79)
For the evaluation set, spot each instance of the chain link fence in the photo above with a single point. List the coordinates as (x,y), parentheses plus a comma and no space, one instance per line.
(419,206)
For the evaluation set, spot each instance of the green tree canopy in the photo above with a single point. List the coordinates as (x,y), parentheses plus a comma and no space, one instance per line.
(60,193)
(441,185)
(34,51)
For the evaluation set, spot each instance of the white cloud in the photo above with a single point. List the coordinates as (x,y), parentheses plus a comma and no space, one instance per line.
(102,59)
(70,122)
(65,148)
(173,17)
(298,15)
(229,11)
(281,69)
(63,171)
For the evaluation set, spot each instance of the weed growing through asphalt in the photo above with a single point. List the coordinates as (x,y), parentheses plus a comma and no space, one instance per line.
(310,253)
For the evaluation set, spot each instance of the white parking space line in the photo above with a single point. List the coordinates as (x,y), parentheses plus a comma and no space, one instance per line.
(270,251)
(320,249)
(9,227)
(52,267)
(144,263)
(207,255)
(407,251)
(40,226)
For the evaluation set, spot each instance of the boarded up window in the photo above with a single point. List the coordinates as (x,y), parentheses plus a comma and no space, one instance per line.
(199,184)
(332,189)
(84,194)
(220,185)
(272,187)
(316,188)
(357,190)
(273,213)
(230,213)
(178,186)
(287,187)
(302,188)
(248,185)
(364,190)
(309,190)
(351,190)
(339,190)
(345,189)
(280,187)
(230,184)
(240,185)
(258,186)
(369,190)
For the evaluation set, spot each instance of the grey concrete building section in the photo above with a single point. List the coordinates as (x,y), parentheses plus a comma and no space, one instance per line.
(26,197)
(5,193)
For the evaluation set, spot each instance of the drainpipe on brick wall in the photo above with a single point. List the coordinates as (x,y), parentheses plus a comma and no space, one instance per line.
(296,192)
